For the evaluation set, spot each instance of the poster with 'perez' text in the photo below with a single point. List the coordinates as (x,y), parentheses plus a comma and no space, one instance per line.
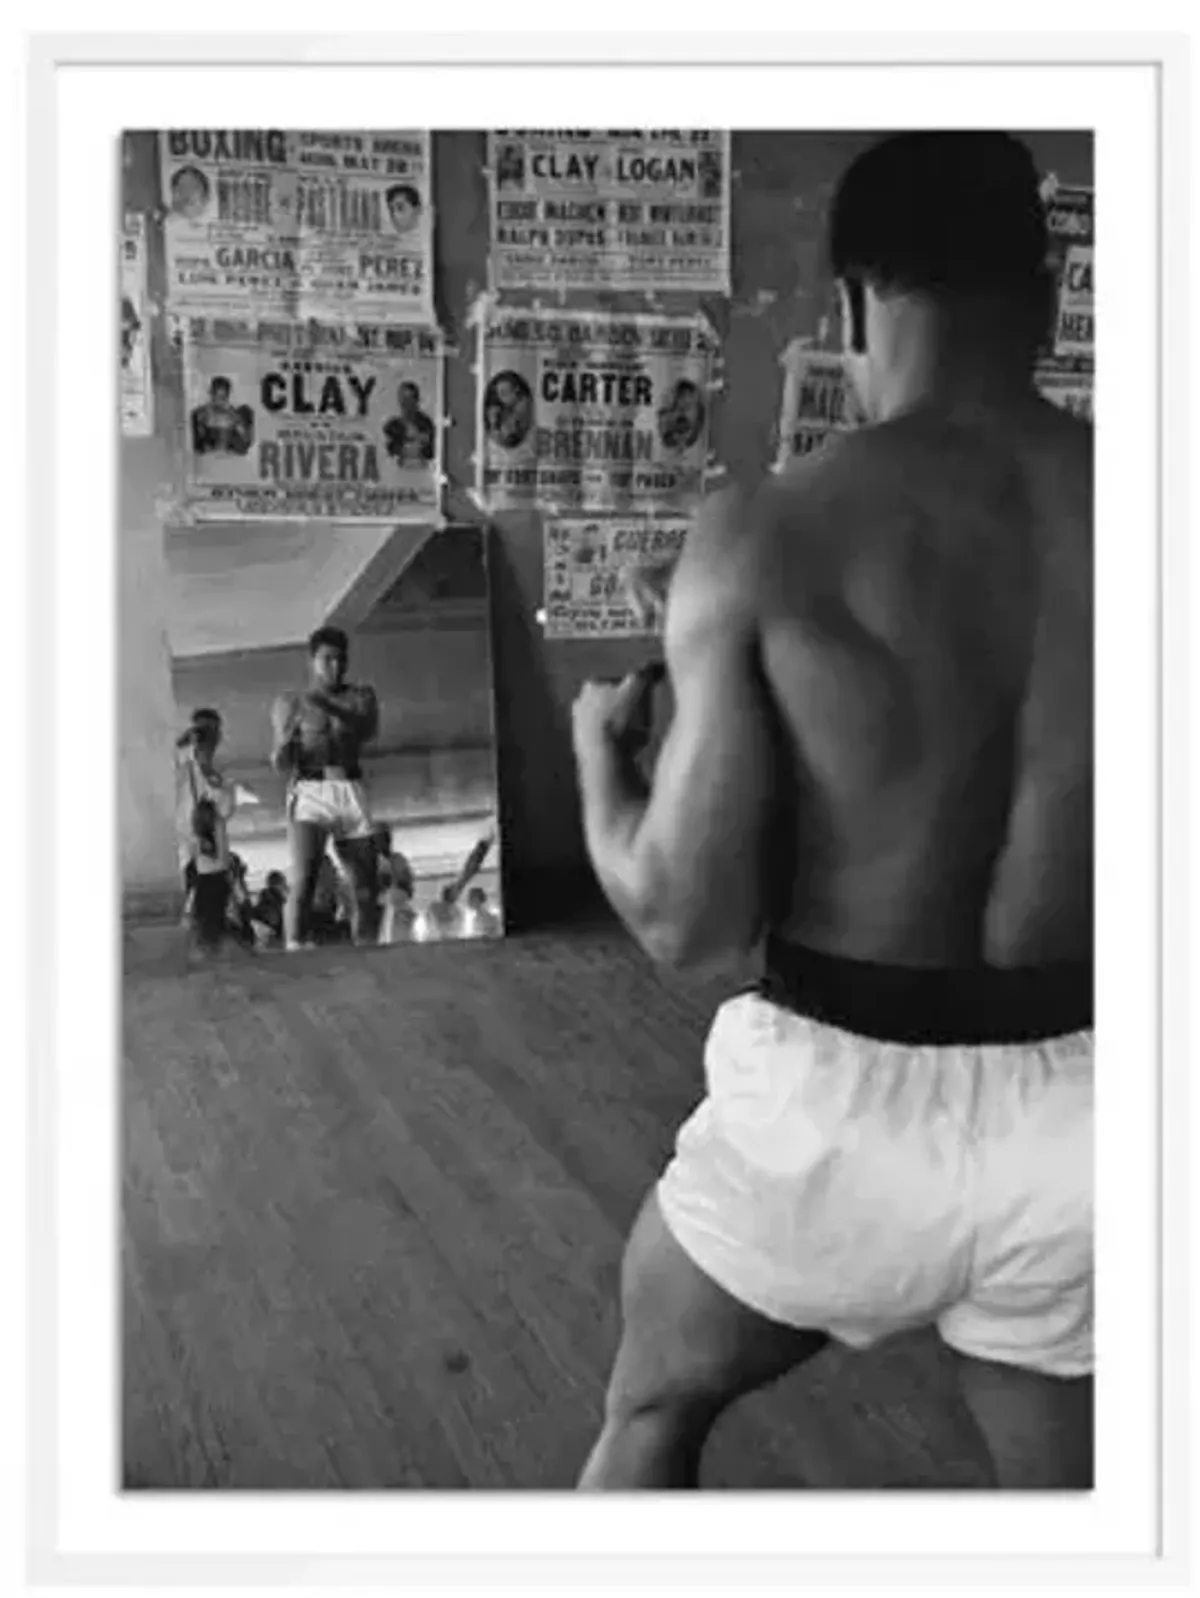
(818,399)
(137,390)
(593,411)
(335,422)
(590,566)
(645,211)
(335,226)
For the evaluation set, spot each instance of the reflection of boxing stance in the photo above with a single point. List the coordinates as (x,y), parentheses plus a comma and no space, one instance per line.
(319,736)
(879,773)
(219,427)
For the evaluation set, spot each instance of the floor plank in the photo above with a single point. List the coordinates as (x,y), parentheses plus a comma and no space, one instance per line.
(374,1208)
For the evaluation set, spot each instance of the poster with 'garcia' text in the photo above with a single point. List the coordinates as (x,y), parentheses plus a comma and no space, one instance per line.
(644,211)
(591,568)
(333,226)
(593,411)
(137,390)
(334,422)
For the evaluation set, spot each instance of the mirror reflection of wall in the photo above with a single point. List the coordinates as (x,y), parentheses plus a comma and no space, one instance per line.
(335,769)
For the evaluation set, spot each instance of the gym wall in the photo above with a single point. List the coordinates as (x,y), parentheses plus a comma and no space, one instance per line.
(782,183)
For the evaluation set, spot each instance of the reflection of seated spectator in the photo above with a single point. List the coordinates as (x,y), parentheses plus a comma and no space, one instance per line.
(220,427)
(397,917)
(441,918)
(480,920)
(267,912)
(237,910)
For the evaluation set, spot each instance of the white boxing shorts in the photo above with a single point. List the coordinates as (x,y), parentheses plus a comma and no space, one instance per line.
(838,1183)
(336,804)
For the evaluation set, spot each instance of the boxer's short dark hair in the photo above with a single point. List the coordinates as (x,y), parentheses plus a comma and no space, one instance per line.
(940,212)
(329,638)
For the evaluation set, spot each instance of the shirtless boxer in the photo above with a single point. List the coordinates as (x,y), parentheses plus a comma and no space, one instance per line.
(319,736)
(880,772)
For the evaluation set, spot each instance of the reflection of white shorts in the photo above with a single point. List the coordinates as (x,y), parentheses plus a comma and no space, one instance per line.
(335,803)
(833,1182)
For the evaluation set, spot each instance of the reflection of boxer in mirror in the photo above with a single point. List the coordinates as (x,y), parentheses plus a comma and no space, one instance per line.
(878,782)
(410,437)
(507,409)
(681,419)
(218,426)
(190,193)
(319,737)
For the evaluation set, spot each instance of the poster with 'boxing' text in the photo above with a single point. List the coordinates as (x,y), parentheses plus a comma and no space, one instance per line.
(329,225)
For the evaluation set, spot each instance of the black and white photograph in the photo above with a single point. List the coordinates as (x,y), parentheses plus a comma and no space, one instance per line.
(616,821)
(852,757)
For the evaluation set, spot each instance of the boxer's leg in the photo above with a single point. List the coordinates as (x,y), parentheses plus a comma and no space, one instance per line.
(687,1351)
(1038,1429)
(360,860)
(306,845)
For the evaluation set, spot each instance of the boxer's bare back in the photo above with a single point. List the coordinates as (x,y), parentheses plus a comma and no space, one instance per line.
(921,594)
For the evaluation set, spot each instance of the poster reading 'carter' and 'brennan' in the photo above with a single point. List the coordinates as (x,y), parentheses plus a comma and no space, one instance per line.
(339,423)
(594,411)
(643,211)
(334,226)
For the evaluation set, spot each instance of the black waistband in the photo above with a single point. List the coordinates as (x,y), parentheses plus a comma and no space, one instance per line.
(914,1004)
(324,774)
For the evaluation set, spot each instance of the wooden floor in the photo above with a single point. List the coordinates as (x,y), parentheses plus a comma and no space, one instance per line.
(374,1209)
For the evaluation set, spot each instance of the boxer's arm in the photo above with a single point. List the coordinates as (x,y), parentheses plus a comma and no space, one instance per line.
(283,732)
(685,864)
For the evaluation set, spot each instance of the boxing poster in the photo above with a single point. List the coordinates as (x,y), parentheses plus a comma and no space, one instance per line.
(818,399)
(137,390)
(592,569)
(1070,390)
(268,223)
(335,422)
(647,211)
(593,411)
(1070,223)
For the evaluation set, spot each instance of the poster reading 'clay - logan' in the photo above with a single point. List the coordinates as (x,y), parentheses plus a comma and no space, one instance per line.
(644,211)
(329,225)
(818,400)
(593,411)
(339,423)
(589,567)
(137,390)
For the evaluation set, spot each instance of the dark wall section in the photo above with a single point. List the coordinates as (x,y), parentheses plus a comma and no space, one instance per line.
(782,183)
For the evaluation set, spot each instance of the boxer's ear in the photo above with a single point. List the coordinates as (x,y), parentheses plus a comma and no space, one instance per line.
(856,307)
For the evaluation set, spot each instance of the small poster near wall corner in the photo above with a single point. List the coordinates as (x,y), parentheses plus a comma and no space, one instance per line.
(137,389)
(644,211)
(593,410)
(1071,225)
(333,422)
(818,399)
(335,226)
(607,577)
